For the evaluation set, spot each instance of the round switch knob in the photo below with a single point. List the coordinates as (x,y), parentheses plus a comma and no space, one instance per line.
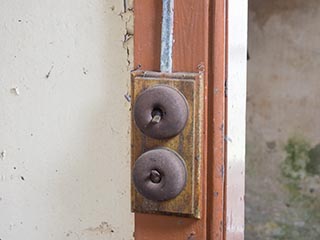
(161,112)
(159,174)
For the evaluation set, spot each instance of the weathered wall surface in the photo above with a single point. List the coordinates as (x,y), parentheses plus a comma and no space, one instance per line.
(64,120)
(283,151)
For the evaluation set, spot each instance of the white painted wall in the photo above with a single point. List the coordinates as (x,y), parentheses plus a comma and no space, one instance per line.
(64,121)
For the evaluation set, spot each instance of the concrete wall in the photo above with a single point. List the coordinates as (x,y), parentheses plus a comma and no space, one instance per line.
(64,120)
(283,155)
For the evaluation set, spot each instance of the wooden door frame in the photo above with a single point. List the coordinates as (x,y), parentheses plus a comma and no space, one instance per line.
(201,44)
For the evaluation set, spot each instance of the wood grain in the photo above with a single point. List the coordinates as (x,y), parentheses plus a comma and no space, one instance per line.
(217,129)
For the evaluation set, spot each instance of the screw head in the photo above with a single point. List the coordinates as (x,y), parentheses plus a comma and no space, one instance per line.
(155,176)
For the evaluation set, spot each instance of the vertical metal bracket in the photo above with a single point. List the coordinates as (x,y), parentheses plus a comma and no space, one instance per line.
(167,35)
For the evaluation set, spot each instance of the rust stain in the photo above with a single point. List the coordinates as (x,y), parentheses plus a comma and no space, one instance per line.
(263,10)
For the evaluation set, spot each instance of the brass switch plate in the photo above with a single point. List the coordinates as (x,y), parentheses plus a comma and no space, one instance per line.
(188,144)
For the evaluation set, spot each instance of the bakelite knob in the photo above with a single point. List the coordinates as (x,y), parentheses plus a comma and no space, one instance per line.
(161,112)
(159,174)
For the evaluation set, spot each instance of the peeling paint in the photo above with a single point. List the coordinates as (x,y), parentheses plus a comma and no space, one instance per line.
(127,17)
(15,91)
(192,236)
(103,228)
(127,97)
(85,71)
(3,154)
(49,73)
(227,138)
(63,78)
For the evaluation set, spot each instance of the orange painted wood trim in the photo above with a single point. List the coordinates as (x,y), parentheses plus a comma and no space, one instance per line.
(189,53)
(198,46)
(217,117)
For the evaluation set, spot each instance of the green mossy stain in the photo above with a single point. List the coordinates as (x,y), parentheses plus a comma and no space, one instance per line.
(313,166)
(302,163)
(297,159)
(295,212)
(301,159)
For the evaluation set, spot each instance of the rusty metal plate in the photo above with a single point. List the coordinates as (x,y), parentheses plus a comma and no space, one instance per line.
(188,142)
